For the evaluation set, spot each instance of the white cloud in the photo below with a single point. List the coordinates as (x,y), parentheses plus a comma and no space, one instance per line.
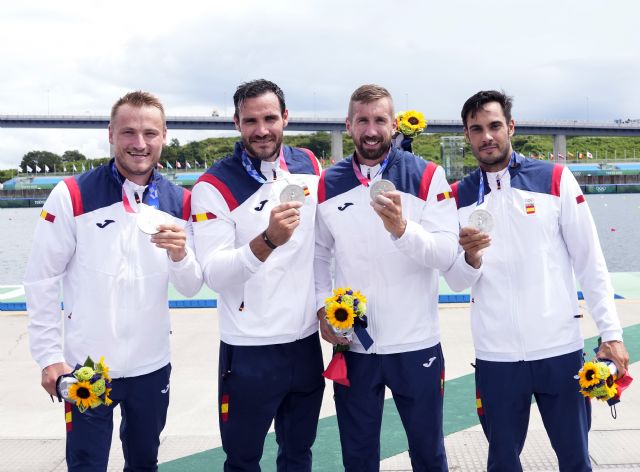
(560,60)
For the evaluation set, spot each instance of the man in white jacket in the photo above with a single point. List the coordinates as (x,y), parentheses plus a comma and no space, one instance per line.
(115,284)
(256,246)
(391,249)
(526,229)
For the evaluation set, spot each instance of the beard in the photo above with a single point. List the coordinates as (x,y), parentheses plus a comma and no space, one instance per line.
(263,153)
(373,154)
(495,161)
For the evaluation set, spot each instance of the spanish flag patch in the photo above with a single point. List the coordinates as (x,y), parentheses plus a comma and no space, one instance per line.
(224,408)
(529,207)
(203,217)
(580,199)
(67,415)
(306,191)
(443,196)
(479,403)
(47,216)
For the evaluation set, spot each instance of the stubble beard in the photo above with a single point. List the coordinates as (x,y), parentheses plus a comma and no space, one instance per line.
(374,154)
(264,155)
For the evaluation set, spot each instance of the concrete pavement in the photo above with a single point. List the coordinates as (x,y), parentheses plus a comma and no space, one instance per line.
(32,428)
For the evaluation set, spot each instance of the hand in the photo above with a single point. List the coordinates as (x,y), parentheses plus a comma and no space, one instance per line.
(617,352)
(474,243)
(50,375)
(388,206)
(173,238)
(283,220)
(326,331)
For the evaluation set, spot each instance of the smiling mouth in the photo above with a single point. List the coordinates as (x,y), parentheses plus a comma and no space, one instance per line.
(138,154)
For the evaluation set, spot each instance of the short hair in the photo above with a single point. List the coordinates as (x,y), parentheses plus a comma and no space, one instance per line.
(369,93)
(256,88)
(477,102)
(138,99)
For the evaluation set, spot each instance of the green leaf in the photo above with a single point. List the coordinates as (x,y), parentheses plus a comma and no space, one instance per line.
(88,363)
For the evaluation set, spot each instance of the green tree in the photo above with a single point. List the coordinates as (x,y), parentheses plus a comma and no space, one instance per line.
(73,156)
(41,159)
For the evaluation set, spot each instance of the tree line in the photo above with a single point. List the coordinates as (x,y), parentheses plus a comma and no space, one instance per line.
(199,154)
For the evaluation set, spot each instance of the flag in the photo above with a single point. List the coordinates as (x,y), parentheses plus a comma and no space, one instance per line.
(19,169)
(83,168)
(203,217)
(589,155)
(550,155)
(47,216)
(169,166)
(29,169)
(38,169)
(580,155)
(560,155)
(159,165)
(74,168)
(186,163)
(46,168)
(443,196)
(571,155)
(197,163)
(64,168)
(91,165)
(178,165)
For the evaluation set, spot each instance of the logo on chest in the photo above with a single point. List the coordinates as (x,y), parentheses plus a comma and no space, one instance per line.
(261,205)
(529,206)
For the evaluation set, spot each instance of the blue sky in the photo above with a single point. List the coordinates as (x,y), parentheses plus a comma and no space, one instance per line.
(559,59)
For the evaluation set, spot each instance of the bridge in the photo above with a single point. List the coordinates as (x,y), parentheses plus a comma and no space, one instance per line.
(558,129)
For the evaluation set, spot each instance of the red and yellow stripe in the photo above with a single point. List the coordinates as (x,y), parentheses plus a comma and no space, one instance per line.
(443,196)
(45,215)
(224,408)
(306,191)
(479,403)
(580,199)
(530,208)
(203,217)
(67,415)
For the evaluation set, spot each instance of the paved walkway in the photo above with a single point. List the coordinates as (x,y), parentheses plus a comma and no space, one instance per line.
(32,428)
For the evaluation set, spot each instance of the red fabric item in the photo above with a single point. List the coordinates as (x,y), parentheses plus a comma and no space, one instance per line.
(622,383)
(337,370)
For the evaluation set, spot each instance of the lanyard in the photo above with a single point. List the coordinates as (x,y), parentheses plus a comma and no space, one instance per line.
(481,187)
(363,180)
(153,197)
(254,174)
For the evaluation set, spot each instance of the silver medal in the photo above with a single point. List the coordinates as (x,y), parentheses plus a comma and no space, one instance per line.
(482,220)
(292,193)
(381,186)
(149,219)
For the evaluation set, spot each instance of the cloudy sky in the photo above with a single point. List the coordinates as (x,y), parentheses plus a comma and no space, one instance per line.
(564,59)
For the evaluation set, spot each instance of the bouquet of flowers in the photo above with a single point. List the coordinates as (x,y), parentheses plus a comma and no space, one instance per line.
(410,123)
(88,386)
(598,379)
(346,314)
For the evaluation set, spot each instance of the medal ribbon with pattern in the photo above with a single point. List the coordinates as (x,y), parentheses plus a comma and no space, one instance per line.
(253,173)
(363,180)
(153,195)
(480,200)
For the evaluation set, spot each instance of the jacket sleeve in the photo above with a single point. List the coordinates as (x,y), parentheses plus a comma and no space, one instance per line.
(223,264)
(322,261)
(461,275)
(53,247)
(581,238)
(433,241)
(186,274)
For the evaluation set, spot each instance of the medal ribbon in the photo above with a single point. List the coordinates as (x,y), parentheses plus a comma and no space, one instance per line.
(363,180)
(153,198)
(480,200)
(253,173)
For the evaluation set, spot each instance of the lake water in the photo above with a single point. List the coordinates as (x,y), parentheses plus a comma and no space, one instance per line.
(617,219)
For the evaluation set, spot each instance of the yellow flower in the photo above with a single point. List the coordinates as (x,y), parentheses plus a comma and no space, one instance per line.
(107,400)
(84,396)
(104,369)
(588,375)
(359,296)
(340,315)
(411,123)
